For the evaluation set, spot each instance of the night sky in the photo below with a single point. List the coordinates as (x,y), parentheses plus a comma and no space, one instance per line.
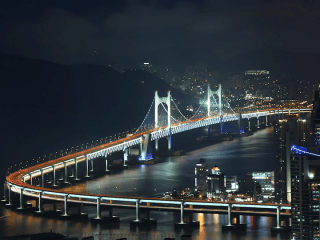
(119,31)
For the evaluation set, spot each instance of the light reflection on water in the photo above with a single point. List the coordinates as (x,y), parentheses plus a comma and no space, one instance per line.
(243,154)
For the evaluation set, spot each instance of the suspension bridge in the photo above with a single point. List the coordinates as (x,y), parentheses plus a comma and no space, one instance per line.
(162,120)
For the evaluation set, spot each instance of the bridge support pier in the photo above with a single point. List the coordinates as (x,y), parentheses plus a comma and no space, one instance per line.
(125,156)
(249,129)
(65,173)
(144,146)
(42,178)
(229,226)
(91,170)
(40,207)
(278,228)
(9,204)
(30,178)
(87,168)
(76,170)
(107,170)
(266,120)
(169,143)
(156,142)
(54,176)
(4,192)
(258,122)
(186,224)
(21,201)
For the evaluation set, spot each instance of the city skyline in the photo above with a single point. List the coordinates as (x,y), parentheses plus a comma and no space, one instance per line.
(192,117)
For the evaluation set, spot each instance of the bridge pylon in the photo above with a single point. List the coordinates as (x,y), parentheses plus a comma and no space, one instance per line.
(158,101)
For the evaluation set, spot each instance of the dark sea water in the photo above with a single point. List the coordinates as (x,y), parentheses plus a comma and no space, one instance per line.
(252,153)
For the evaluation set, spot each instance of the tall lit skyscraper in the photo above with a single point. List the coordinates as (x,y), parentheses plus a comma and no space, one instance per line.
(316,118)
(286,133)
(305,178)
(216,183)
(201,173)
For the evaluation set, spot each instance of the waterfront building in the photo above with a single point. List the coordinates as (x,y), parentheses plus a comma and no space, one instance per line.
(201,173)
(265,181)
(287,132)
(232,184)
(316,118)
(305,178)
(216,184)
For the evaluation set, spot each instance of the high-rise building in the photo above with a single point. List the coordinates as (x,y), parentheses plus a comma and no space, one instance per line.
(316,118)
(201,173)
(266,182)
(305,178)
(216,183)
(232,184)
(286,133)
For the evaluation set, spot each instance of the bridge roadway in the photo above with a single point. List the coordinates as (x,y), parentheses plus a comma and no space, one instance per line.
(17,182)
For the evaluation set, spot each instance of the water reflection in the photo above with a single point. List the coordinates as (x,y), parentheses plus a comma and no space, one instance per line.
(175,172)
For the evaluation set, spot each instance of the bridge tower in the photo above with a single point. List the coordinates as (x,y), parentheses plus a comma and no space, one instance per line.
(210,93)
(157,101)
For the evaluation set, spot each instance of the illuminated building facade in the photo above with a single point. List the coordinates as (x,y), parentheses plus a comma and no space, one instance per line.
(305,177)
(216,184)
(316,118)
(232,184)
(266,182)
(201,173)
(286,133)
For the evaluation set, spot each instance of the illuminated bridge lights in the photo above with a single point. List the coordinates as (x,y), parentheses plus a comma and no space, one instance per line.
(302,151)
(16,181)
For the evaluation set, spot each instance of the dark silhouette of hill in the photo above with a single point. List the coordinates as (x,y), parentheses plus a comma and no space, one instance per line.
(47,107)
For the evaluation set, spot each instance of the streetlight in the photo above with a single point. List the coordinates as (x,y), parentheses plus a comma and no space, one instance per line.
(156,192)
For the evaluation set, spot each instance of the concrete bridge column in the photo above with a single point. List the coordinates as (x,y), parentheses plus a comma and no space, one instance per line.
(137,211)
(181,212)
(42,178)
(229,226)
(107,170)
(266,120)
(4,192)
(87,167)
(76,170)
(91,170)
(65,173)
(156,144)
(249,129)
(54,176)
(189,223)
(65,207)
(98,208)
(278,228)
(169,142)
(10,196)
(30,178)
(21,199)
(125,156)
(258,122)
(278,217)
(40,202)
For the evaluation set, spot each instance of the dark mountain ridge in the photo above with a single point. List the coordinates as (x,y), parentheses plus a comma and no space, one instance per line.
(48,107)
